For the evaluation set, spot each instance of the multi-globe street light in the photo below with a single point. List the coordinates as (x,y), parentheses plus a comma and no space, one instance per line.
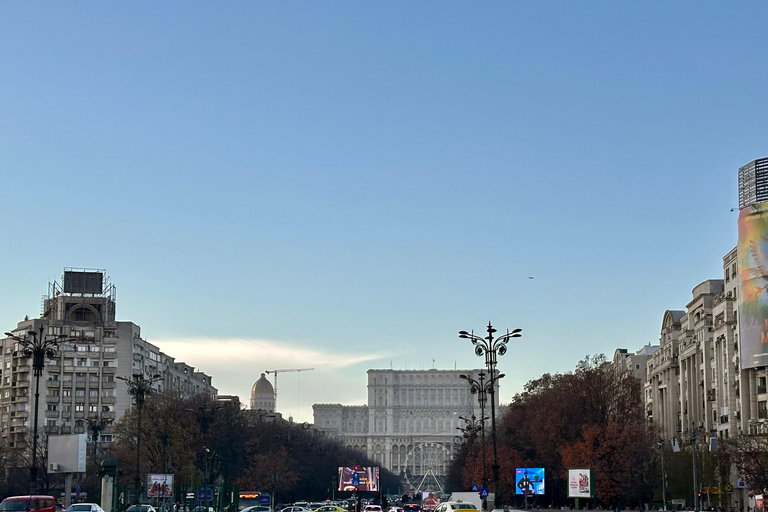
(139,387)
(490,347)
(39,347)
(481,388)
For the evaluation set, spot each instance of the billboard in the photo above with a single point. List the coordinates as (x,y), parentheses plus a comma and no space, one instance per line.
(359,477)
(529,481)
(429,500)
(581,483)
(159,486)
(66,453)
(83,282)
(753,270)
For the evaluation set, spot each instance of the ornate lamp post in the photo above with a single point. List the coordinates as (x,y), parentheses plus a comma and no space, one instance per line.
(39,347)
(139,387)
(481,388)
(490,347)
(96,426)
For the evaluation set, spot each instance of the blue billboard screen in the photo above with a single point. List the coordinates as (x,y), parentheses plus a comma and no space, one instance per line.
(529,481)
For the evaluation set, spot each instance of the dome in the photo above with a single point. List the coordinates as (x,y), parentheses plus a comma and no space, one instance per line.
(262,387)
(263,395)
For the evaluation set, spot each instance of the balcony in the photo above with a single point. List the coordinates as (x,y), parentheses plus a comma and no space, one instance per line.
(53,368)
(108,399)
(107,385)
(50,383)
(109,369)
(51,414)
(66,430)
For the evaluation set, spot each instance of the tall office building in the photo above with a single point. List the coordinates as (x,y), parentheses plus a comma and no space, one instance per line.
(80,385)
(753,183)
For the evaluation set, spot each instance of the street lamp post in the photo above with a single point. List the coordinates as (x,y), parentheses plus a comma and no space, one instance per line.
(39,347)
(490,347)
(694,433)
(481,388)
(139,387)
(663,475)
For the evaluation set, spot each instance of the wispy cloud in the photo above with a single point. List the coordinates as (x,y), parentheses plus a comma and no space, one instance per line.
(268,354)
(235,364)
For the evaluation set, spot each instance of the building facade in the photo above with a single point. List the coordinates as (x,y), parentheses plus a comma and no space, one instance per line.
(410,423)
(81,385)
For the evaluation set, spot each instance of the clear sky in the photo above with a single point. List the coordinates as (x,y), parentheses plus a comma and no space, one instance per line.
(346,185)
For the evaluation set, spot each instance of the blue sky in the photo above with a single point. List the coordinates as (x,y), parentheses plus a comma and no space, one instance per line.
(347,185)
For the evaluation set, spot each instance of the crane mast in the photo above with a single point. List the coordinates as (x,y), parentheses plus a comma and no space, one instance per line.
(285,370)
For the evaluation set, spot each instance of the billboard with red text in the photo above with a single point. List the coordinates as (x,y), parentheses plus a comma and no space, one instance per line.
(752,253)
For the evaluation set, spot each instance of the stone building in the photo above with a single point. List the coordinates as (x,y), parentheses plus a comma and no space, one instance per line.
(81,384)
(410,423)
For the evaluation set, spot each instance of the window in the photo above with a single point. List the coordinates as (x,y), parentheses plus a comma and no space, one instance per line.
(81,361)
(80,393)
(79,407)
(51,407)
(93,408)
(106,438)
(66,392)
(93,393)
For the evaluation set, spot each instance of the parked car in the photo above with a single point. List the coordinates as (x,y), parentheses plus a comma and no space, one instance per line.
(257,508)
(35,503)
(372,508)
(84,507)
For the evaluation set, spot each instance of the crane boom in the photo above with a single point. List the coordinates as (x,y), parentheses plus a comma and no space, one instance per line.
(285,370)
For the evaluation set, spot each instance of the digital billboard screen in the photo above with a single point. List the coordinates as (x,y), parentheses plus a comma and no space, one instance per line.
(529,481)
(753,269)
(362,478)
(83,282)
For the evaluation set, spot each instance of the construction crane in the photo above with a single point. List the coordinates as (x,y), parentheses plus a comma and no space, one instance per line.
(285,371)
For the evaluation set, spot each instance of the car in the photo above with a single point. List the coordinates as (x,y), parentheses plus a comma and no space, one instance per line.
(200,509)
(84,507)
(34,503)
(330,508)
(141,508)
(454,506)
(257,508)
(294,508)
(372,508)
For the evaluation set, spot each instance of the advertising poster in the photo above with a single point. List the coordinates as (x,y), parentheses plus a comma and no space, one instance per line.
(159,486)
(359,477)
(529,481)
(581,483)
(429,500)
(753,271)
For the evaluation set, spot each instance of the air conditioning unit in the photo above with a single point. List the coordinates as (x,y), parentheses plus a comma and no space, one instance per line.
(53,466)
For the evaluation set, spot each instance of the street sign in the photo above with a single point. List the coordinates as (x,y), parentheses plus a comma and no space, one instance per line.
(483,492)
(264,499)
(205,494)
(475,488)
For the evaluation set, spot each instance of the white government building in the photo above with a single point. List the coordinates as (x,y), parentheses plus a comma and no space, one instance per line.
(410,423)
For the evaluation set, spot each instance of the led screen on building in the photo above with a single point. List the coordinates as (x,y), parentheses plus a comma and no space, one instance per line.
(753,270)
(529,481)
(360,478)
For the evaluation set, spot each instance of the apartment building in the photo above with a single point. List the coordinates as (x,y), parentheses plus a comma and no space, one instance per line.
(81,384)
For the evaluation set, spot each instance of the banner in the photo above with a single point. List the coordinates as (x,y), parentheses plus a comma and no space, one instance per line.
(752,253)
